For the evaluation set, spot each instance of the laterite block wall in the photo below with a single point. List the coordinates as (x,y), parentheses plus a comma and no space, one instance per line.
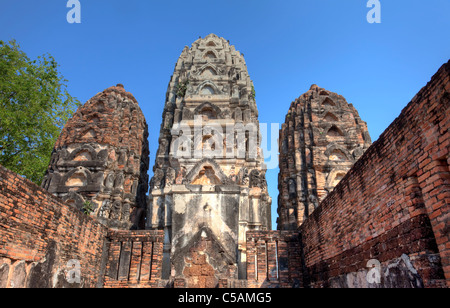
(393,206)
(134,259)
(274,259)
(39,235)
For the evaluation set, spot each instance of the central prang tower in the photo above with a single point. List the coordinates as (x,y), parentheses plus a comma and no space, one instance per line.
(209,185)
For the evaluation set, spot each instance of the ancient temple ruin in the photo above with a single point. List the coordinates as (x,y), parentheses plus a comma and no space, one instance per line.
(100,161)
(346,207)
(209,174)
(322,138)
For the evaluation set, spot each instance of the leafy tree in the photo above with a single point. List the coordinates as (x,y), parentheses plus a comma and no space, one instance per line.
(34,107)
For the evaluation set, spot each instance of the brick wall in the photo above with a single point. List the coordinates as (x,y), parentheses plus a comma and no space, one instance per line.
(134,259)
(273,259)
(393,206)
(39,235)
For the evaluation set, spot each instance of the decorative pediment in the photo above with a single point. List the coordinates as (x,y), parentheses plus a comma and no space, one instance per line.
(207,172)
(83,153)
(209,69)
(207,88)
(337,152)
(210,54)
(208,107)
(78,177)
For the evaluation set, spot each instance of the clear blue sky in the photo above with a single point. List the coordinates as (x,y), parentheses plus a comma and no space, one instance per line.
(288,45)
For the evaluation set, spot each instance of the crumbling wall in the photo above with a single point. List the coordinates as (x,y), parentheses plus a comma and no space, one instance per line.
(274,259)
(204,262)
(386,223)
(45,243)
(134,259)
(43,240)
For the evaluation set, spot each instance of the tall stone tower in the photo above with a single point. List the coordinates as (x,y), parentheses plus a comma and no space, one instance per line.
(209,184)
(322,138)
(101,160)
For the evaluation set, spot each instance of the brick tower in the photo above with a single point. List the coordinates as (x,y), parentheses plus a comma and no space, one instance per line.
(101,160)
(209,184)
(322,138)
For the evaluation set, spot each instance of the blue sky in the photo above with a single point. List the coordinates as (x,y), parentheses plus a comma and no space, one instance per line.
(288,46)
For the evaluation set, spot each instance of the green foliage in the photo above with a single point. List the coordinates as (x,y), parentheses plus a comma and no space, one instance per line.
(88,208)
(34,107)
(182,88)
(253,94)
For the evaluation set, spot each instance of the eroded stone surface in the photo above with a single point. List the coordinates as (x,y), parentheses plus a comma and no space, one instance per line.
(322,138)
(225,192)
(101,160)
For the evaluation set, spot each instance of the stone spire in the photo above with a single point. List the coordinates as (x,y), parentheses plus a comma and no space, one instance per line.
(101,160)
(209,174)
(322,138)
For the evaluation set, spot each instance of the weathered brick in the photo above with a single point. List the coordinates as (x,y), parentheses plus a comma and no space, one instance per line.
(27,240)
(408,179)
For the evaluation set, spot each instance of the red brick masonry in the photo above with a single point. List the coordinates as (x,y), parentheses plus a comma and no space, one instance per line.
(135,259)
(274,259)
(393,202)
(39,234)
(392,207)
